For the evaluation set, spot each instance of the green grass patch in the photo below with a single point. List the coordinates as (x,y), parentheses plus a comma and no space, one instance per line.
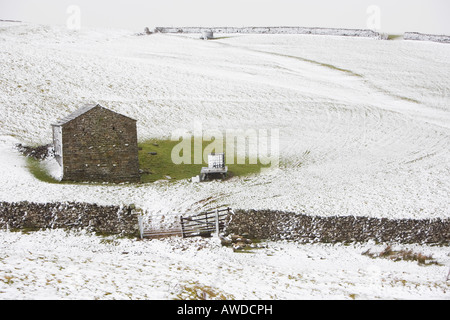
(38,171)
(155,159)
(394,36)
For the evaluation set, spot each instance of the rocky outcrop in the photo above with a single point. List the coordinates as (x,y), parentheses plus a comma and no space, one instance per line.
(121,220)
(38,153)
(278,225)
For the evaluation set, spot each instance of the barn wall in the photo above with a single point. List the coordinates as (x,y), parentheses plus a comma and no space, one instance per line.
(100,145)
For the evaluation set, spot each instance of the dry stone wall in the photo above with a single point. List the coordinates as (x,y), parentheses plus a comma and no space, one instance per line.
(278,225)
(261,224)
(102,219)
(426,37)
(275,30)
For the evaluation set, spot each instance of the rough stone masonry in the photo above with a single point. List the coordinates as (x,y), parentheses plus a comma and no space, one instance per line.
(279,225)
(121,220)
(97,144)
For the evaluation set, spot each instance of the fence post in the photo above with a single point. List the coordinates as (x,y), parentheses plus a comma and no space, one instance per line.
(182,227)
(217,222)
(141,226)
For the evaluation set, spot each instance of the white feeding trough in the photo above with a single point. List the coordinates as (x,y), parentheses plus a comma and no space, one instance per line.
(207,34)
(216,167)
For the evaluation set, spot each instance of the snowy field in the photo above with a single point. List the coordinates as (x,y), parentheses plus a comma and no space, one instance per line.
(364,130)
(59,265)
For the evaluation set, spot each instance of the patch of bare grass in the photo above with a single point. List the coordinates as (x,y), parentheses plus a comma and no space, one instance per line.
(402,255)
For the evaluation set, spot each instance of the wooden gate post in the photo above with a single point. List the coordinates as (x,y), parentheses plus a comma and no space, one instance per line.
(141,226)
(217,222)
(182,227)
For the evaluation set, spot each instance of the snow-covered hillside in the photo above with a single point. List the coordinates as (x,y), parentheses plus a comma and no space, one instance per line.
(364,130)
(56,264)
(364,124)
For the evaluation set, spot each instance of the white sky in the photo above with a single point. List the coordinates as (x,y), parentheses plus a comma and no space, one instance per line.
(427,16)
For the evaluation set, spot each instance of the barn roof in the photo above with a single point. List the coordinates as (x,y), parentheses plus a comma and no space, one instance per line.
(78,113)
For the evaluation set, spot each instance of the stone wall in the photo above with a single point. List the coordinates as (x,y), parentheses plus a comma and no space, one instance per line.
(261,224)
(275,30)
(101,146)
(277,225)
(102,219)
(426,37)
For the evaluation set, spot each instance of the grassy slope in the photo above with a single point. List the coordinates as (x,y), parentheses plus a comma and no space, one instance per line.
(38,171)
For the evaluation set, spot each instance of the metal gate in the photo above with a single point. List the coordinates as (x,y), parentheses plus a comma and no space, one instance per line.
(205,223)
(201,224)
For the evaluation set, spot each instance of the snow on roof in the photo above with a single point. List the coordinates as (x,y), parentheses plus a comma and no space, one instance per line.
(78,113)
(75,114)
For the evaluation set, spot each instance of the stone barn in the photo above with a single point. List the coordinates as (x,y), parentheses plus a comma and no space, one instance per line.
(97,144)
